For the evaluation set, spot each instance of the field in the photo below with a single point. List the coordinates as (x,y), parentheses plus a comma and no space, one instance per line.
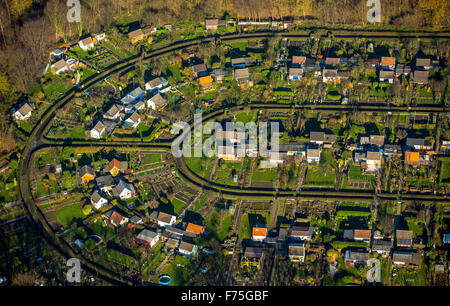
(69,214)
(315,176)
(264,176)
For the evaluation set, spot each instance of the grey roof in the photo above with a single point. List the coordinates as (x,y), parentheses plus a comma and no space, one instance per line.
(25,109)
(422,62)
(417,142)
(112,111)
(159,100)
(136,92)
(356,255)
(382,245)
(199,68)
(253,252)
(295,249)
(99,127)
(123,185)
(186,246)
(295,146)
(163,217)
(146,235)
(317,136)
(86,169)
(96,197)
(386,74)
(241,73)
(407,257)
(159,81)
(105,180)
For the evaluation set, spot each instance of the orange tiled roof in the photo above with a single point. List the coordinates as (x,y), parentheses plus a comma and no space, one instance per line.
(194,228)
(205,80)
(412,156)
(387,61)
(114,164)
(260,231)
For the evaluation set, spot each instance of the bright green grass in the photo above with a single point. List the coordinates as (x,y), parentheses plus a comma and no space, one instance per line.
(67,215)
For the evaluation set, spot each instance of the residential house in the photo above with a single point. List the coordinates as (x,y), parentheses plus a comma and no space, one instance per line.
(87,174)
(358,235)
(157,102)
(293,149)
(418,143)
(356,257)
(259,234)
(98,130)
(406,258)
(242,75)
(387,63)
(60,66)
(386,76)
(105,182)
(212,24)
(298,61)
(158,84)
(165,220)
(147,237)
(97,200)
(333,61)
(86,44)
(115,166)
(317,137)
(113,113)
(252,257)
(115,218)
(205,81)
(382,246)
(187,249)
(124,190)
(199,70)
(358,157)
(373,161)
(132,121)
(313,156)
(221,74)
(423,63)
(136,36)
(24,112)
(412,158)
(136,220)
(301,233)
(196,230)
(377,140)
(295,74)
(242,62)
(392,150)
(296,252)
(420,77)
(329,75)
(403,238)
(227,152)
(134,95)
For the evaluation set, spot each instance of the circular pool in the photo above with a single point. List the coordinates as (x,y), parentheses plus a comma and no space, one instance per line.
(165,280)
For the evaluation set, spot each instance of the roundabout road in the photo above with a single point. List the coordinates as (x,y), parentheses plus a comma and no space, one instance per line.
(37,141)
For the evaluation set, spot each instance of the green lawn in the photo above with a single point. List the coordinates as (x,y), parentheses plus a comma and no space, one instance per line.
(219,224)
(264,176)
(177,205)
(68,215)
(246,116)
(316,176)
(152,158)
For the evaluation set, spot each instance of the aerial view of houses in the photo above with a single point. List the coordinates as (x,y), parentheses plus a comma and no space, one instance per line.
(200,145)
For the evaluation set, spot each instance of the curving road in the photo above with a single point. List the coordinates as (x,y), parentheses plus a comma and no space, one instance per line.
(37,141)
